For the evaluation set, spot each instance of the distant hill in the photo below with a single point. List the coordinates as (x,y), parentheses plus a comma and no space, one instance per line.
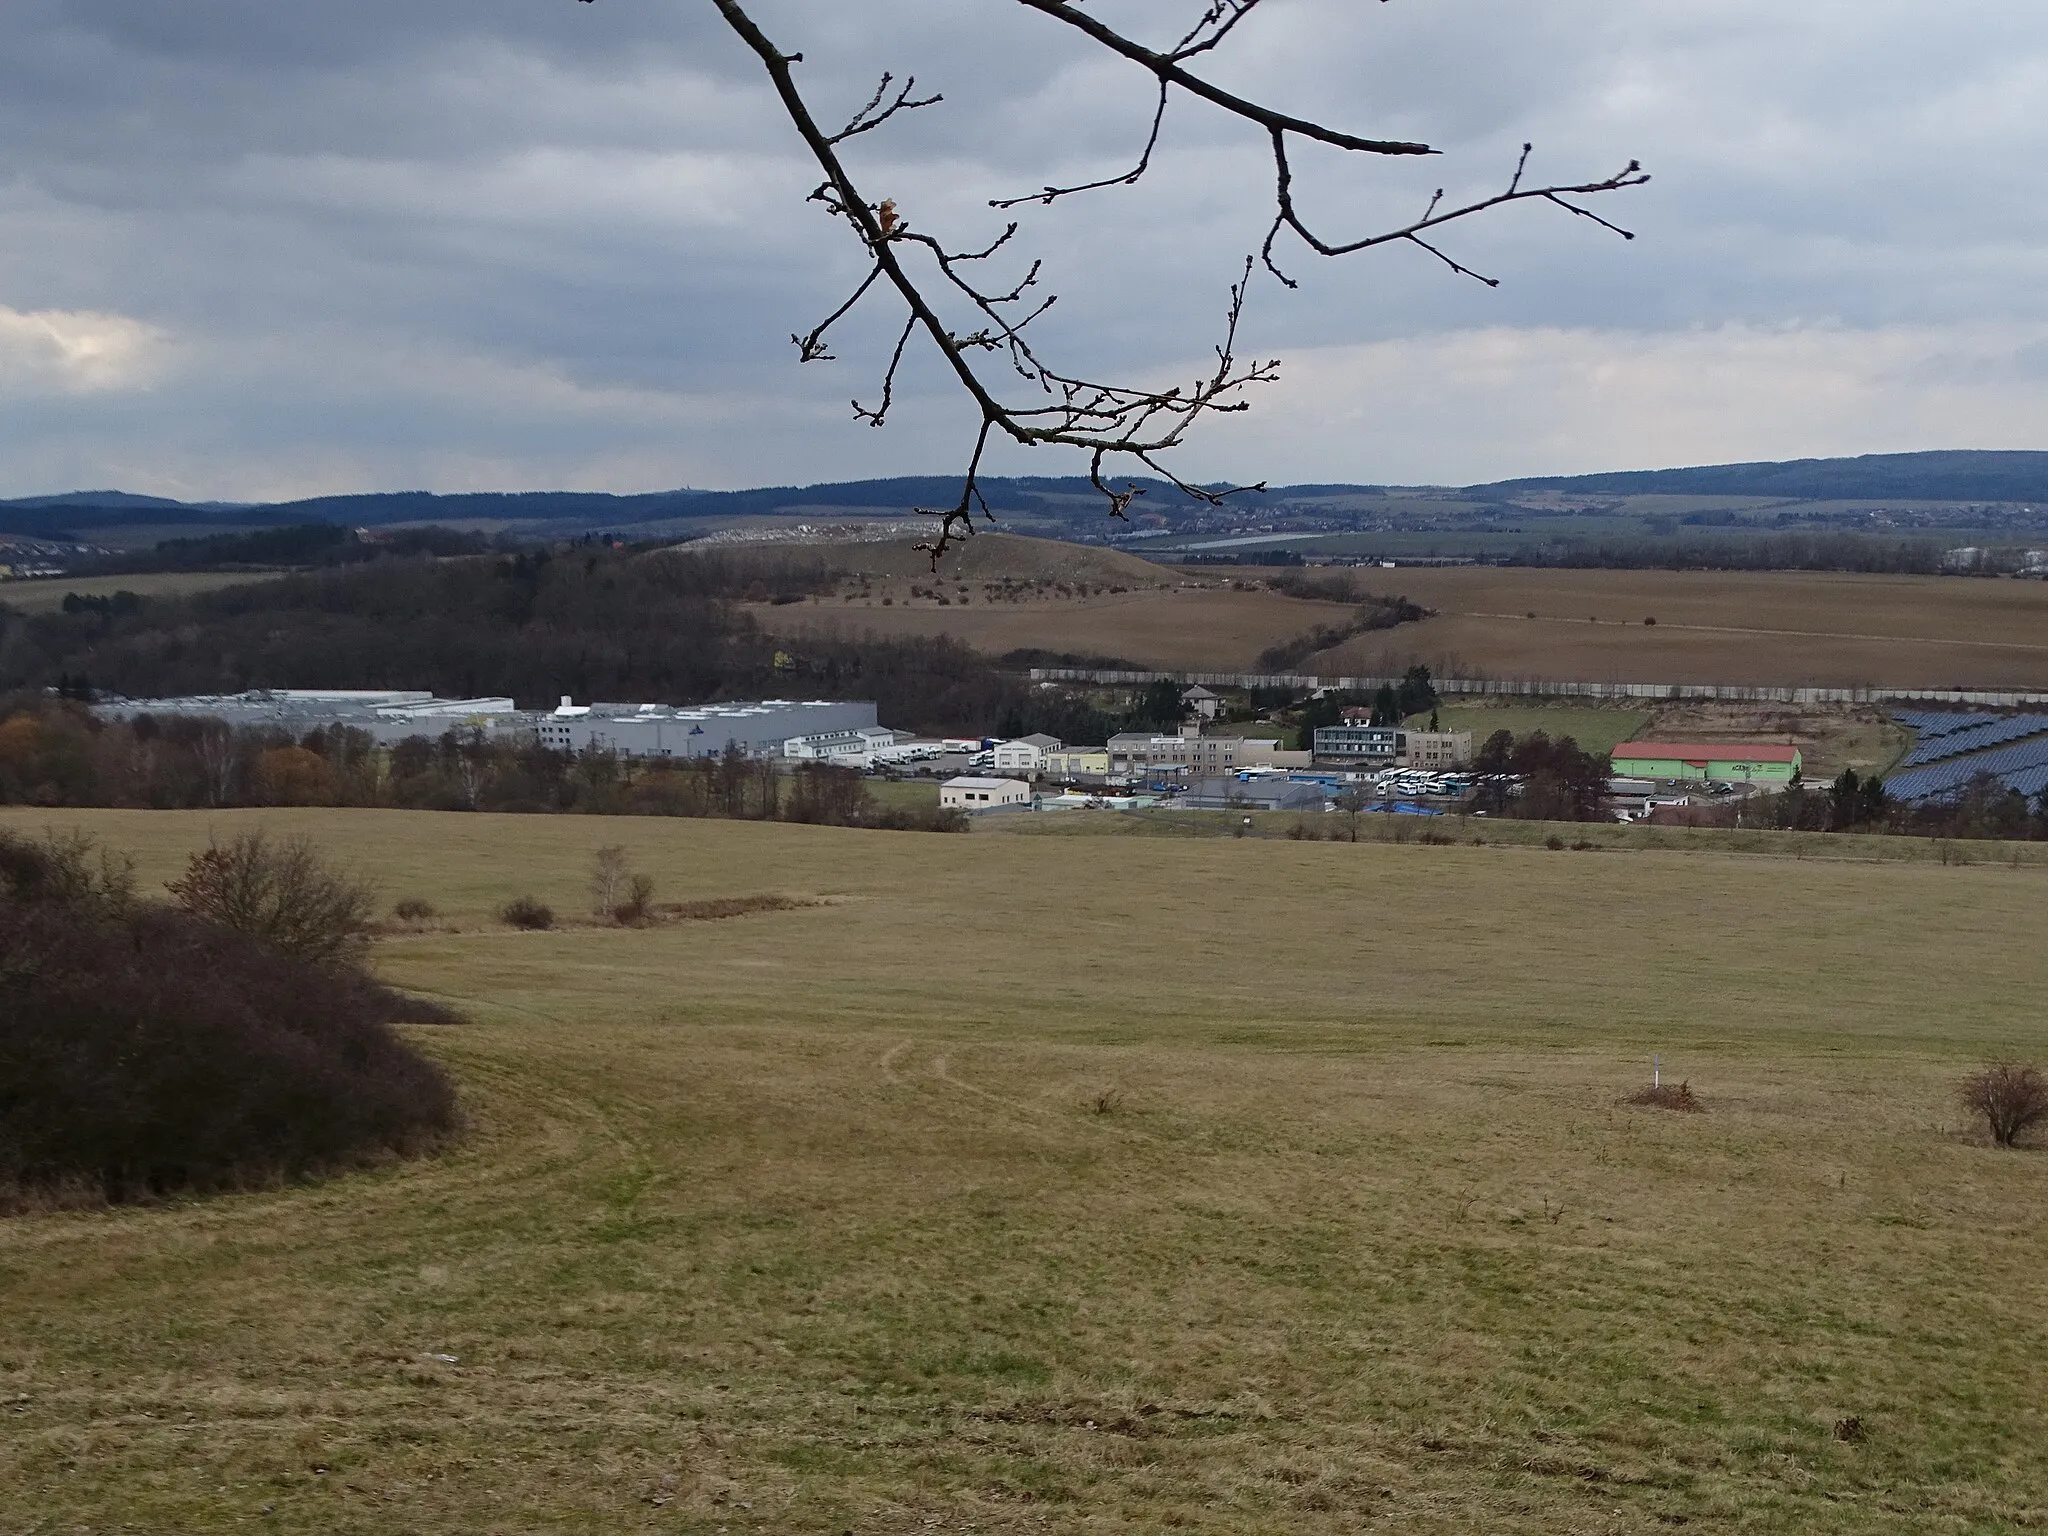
(1962,475)
(1949,475)
(94,499)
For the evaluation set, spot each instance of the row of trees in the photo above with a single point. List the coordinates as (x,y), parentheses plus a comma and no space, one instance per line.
(57,754)
(1539,779)
(1818,551)
(1985,808)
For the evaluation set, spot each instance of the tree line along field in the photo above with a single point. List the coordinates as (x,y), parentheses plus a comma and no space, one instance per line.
(1770,628)
(47,594)
(1027,1184)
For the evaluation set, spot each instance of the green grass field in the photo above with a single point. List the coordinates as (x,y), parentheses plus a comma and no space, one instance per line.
(1031,1184)
(1594,728)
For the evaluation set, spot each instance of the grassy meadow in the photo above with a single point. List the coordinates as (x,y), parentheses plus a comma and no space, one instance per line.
(1026,1184)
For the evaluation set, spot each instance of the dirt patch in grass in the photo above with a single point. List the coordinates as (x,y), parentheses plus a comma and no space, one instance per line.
(1679,1098)
(718,907)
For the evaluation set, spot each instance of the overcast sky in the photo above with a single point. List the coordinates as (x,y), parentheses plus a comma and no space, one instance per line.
(253,250)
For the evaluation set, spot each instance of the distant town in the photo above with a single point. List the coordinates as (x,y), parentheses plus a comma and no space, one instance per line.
(1364,761)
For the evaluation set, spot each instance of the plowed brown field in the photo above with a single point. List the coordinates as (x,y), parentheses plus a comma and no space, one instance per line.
(1783,628)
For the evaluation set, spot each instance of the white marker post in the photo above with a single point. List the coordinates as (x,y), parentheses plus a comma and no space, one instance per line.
(1656,1071)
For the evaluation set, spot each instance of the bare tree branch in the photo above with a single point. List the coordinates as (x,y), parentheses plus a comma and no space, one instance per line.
(1286,216)
(1106,420)
(874,114)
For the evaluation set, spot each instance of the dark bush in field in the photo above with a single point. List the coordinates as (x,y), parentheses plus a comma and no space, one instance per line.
(2011,1098)
(526,912)
(146,1051)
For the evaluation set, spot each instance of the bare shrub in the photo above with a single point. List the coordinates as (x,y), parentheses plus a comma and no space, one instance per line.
(414,910)
(1107,1102)
(637,905)
(2011,1098)
(1665,1096)
(284,893)
(147,1050)
(1554,843)
(526,912)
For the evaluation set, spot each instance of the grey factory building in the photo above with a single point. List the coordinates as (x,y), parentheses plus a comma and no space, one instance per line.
(705,730)
(632,730)
(387,715)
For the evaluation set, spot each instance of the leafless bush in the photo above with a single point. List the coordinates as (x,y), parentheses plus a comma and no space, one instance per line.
(68,870)
(527,912)
(1108,1102)
(1664,1096)
(146,1050)
(414,910)
(637,904)
(609,868)
(284,893)
(2011,1098)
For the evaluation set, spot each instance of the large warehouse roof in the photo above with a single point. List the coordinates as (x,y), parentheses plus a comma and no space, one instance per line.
(1710,751)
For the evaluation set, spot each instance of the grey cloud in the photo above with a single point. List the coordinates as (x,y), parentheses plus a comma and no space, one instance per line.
(365,225)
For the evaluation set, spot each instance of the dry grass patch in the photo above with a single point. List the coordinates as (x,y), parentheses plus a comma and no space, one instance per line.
(814,1225)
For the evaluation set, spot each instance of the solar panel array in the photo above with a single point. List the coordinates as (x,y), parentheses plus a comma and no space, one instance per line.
(1939,723)
(1995,732)
(2023,765)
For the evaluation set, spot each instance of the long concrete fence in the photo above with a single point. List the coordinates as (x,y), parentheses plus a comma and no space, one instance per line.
(1535,688)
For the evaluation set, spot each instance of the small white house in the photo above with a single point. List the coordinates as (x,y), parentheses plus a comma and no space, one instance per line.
(982,794)
(1024,758)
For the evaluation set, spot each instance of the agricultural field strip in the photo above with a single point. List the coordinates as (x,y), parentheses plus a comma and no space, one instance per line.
(1735,629)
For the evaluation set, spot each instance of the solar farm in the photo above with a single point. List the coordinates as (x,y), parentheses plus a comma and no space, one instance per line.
(1950,750)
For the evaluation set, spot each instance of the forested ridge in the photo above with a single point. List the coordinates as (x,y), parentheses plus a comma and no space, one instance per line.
(592,622)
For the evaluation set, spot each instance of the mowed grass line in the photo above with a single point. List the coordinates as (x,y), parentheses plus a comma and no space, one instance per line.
(807,1220)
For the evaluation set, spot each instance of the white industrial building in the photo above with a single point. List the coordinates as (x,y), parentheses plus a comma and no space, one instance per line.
(982,794)
(762,729)
(1023,758)
(386,715)
(858,748)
